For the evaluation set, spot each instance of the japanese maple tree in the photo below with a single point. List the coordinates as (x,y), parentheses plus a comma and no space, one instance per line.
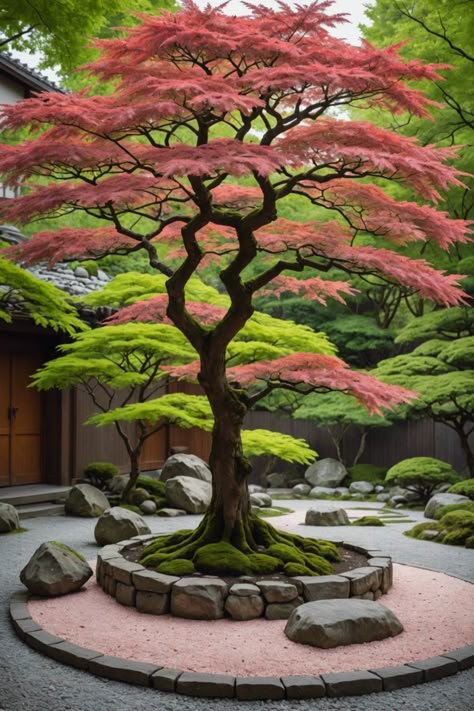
(214,122)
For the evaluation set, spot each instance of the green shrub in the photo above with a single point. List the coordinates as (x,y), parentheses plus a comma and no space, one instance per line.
(221,559)
(421,475)
(100,473)
(366,472)
(179,566)
(462,506)
(368,521)
(465,488)
(153,486)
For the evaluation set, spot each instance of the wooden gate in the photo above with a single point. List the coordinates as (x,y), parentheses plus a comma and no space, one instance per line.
(20,420)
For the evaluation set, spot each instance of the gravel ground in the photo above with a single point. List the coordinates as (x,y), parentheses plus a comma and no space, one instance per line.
(31,682)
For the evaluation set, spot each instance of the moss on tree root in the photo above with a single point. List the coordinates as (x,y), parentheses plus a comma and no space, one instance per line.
(255,548)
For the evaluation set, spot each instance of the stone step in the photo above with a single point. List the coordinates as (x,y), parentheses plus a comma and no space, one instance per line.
(41,509)
(33,494)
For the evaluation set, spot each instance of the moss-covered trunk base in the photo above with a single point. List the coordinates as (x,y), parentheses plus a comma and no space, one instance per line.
(254,548)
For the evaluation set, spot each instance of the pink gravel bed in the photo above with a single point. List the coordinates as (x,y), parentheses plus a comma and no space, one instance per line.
(437,612)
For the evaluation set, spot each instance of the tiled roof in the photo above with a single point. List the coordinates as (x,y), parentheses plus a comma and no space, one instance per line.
(25,75)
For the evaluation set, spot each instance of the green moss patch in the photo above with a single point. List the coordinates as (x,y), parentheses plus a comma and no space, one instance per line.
(68,549)
(262,564)
(131,507)
(221,559)
(286,553)
(463,506)
(179,566)
(455,528)
(274,511)
(153,486)
(465,488)
(294,569)
(368,521)
(14,532)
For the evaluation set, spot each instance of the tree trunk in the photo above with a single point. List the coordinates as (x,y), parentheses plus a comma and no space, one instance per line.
(134,473)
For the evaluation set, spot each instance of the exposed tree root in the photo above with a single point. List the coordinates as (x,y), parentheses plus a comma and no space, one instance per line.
(254,548)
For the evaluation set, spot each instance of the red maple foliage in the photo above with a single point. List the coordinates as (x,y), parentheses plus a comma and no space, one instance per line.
(199,99)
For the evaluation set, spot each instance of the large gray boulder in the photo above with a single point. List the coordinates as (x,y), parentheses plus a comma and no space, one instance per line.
(118,524)
(55,569)
(326,472)
(330,517)
(198,599)
(439,500)
(87,501)
(9,519)
(191,495)
(361,487)
(332,623)
(186,465)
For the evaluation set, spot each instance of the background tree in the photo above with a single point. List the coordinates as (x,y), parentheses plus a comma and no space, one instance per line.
(150,161)
(60,29)
(441,370)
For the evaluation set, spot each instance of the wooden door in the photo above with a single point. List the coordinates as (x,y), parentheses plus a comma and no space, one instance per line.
(20,420)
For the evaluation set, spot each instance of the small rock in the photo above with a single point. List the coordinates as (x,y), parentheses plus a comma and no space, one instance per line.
(171,513)
(86,501)
(330,517)
(277,480)
(9,519)
(341,491)
(318,491)
(361,487)
(187,465)
(81,272)
(148,507)
(118,524)
(301,490)
(282,610)
(256,489)
(261,500)
(244,608)
(55,569)
(277,591)
(102,276)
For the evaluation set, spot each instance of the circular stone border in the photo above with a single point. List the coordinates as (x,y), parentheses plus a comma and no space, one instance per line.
(133,585)
(225,685)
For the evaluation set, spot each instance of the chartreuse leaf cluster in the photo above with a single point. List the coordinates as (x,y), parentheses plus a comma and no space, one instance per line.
(44,303)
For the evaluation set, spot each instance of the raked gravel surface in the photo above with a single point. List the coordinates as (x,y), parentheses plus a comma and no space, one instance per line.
(31,682)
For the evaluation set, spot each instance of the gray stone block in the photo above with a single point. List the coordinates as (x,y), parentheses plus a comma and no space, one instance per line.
(435,667)
(259,688)
(324,587)
(72,654)
(463,656)
(398,677)
(363,580)
(152,603)
(385,564)
(41,640)
(122,570)
(277,591)
(26,625)
(19,611)
(352,683)
(165,679)
(150,581)
(123,669)
(303,687)
(208,685)
(20,596)
(125,594)
(282,610)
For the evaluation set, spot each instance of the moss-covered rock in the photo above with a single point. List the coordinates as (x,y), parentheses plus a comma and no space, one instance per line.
(458,518)
(131,507)
(368,521)
(153,486)
(138,496)
(221,559)
(464,488)
(457,536)
(179,566)
(462,506)
(317,564)
(455,528)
